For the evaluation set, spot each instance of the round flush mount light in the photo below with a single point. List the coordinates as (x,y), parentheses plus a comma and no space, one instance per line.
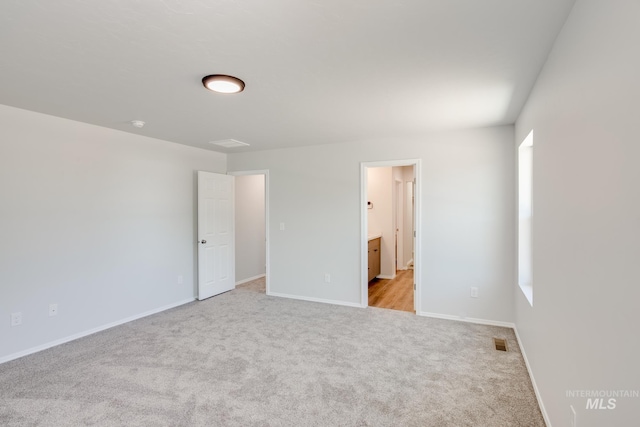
(223,84)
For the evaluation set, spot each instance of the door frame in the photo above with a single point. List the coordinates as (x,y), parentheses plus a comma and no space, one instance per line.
(364,227)
(264,172)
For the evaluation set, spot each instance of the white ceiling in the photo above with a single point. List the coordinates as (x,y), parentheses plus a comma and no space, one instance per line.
(316,72)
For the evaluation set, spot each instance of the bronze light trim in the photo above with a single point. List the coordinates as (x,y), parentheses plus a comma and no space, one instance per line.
(223,83)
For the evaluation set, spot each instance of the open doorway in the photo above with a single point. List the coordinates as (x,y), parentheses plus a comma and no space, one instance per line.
(251,230)
(389,264)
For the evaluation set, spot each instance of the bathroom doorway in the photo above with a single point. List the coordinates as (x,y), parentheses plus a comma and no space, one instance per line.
(389,229)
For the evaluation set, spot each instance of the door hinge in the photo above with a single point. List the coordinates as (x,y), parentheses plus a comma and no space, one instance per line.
(414,234)
(414,286)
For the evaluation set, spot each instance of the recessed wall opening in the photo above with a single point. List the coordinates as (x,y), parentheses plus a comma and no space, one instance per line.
(525,216)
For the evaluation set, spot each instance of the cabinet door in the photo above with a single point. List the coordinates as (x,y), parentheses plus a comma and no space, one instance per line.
(374,258)
(371,262)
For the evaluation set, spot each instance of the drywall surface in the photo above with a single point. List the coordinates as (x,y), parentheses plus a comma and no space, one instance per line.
(98,221)
(250,226)
(581,333)
(467,222)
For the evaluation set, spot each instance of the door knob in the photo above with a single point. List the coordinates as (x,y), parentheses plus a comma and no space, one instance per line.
(203,241)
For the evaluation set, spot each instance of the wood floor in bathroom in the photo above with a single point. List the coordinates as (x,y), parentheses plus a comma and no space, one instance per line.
(396,294)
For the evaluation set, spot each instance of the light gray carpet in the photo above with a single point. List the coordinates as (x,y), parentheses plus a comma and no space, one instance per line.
(245,359)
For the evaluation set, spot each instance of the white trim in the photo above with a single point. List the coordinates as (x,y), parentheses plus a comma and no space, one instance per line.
(93,331)
(364,231)
(264,172)
(417,164)
(311,299)
(385,277)
(468,319)
(533,380)
(250,279)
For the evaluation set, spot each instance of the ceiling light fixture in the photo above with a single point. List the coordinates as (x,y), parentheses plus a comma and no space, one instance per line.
(137,123)
(223,84)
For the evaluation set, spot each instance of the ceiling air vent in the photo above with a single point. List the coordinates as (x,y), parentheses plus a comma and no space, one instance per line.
(500,343)
(229,143)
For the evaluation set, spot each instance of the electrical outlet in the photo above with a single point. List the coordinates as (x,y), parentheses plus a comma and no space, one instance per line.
(327,278)
(16,319)
(53,310)
(180,280)
(573,417)
(474,292)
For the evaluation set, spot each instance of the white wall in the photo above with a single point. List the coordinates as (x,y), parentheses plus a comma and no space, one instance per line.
(380,219)
(398,217)
(250,226)
(468,223)
(581,332)
(99,221)
(408,214)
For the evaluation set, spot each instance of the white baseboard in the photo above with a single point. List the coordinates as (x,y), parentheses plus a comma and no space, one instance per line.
(91,331)
(468,319)
(311,299)
(385,276)
(250,279)
(533,380)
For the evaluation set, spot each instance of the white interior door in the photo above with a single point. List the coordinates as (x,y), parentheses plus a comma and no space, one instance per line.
(216,254)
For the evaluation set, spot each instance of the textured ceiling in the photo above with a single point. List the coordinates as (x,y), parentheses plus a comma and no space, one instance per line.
(317,72)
